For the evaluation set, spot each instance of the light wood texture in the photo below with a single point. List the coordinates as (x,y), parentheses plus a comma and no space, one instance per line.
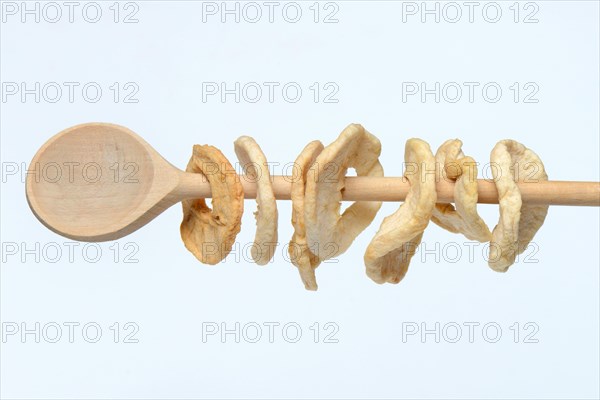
(111,182)
(566,193)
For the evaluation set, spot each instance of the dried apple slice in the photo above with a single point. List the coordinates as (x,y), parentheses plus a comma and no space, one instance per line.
(300,254)
(388,255)
(210,234)
(464,218)
(329,233)
(519,222)
(255,167)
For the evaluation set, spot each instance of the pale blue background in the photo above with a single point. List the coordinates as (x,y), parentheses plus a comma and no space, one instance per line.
(369,53)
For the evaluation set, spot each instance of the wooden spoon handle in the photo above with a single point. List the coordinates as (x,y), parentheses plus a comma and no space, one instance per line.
(566,193)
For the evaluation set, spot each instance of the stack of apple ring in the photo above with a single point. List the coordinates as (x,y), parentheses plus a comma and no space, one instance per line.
(321,232)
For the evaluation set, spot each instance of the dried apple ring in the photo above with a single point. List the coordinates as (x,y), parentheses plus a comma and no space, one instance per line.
(255,166)
(329,233)
(464,218)
(209,234)
(388,255)
(300,254)
(519,222)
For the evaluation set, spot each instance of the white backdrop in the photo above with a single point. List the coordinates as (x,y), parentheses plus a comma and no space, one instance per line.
(532,332)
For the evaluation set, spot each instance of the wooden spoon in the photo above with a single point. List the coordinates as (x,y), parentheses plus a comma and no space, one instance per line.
(97,181)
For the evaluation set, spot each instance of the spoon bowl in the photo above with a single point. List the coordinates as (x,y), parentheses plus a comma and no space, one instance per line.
(98,182)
